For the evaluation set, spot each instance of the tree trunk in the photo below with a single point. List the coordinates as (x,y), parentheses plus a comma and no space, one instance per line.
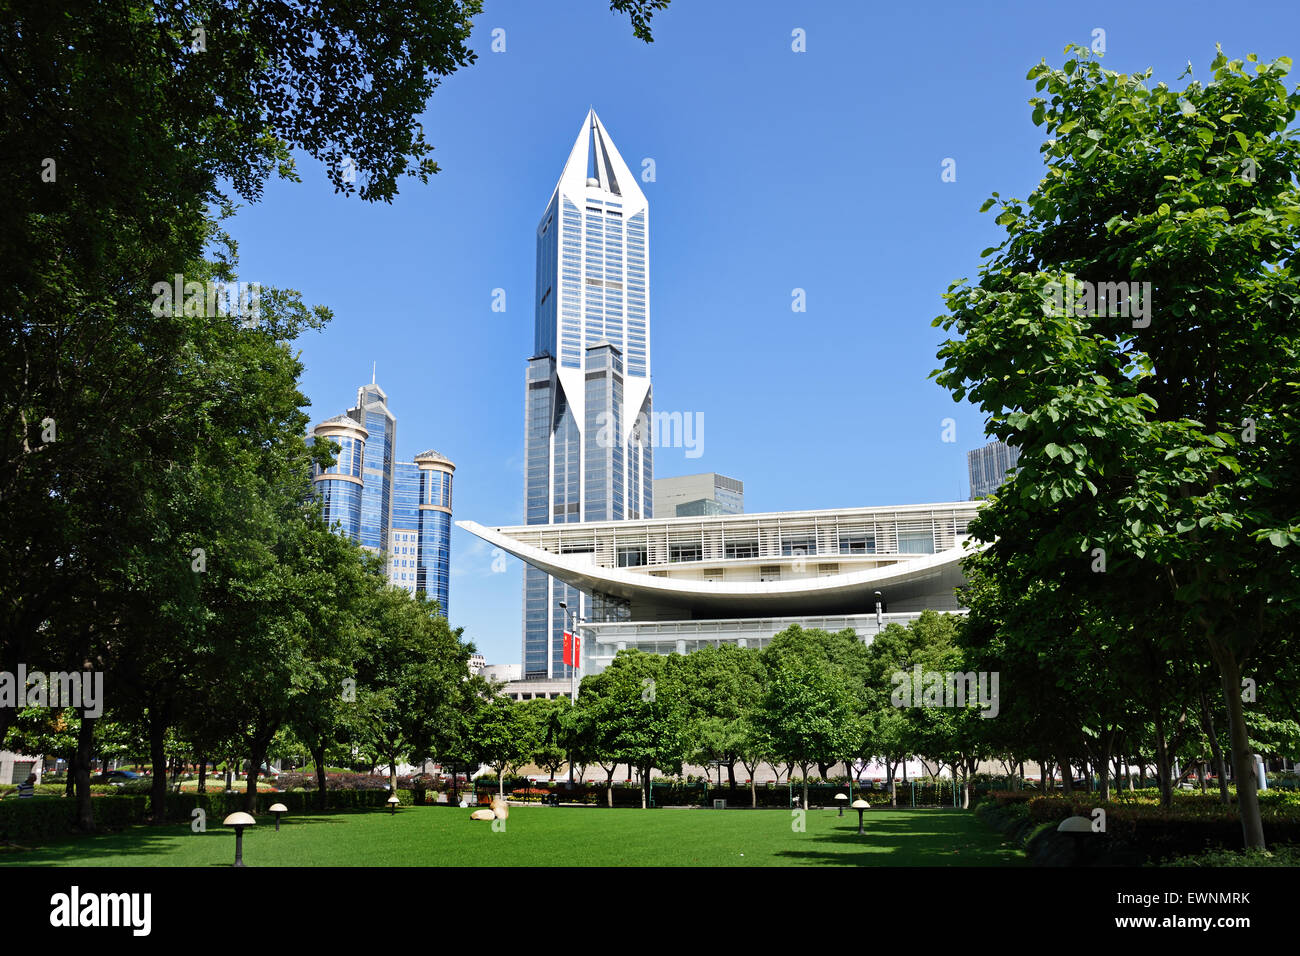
(889,782)
(1103,764)
(203,773)
(318,758)
(1216,751)
(158,783)
(1067,778)
(250,791)
(1163,770)
(1243,770)
(85,746)
(803,768)
(731,774)
(609,783)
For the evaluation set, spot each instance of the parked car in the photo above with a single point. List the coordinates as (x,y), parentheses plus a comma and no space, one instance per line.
(116,777)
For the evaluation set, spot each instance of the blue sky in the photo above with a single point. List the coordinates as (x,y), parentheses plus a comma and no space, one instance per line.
(775,170)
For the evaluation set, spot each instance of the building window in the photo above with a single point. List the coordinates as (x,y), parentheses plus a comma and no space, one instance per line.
(769,572)
(857,544)
(684,552)
(631,557)
(915,542)
(799,545)
(742,549)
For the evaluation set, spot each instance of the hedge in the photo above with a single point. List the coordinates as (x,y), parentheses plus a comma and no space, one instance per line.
(39,819)
(1137,831)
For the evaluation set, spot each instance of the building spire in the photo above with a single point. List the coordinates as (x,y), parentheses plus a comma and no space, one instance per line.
(373,367)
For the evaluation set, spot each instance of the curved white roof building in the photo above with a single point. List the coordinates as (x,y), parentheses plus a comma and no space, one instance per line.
(675,584)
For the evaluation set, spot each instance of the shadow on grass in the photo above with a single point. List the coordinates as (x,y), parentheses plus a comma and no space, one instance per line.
(942,838)
(149,840)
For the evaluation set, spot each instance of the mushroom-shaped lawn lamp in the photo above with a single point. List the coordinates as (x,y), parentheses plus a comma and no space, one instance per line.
(392,804)
(841,799)
(1079,828)
(278,809)
(860,805)
(239,821)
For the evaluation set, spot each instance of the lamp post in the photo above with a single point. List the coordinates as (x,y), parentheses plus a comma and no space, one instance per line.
(279,809)
(879,611)
(861,806)
(239,821)
(392,805)
(1080,828)
(841,799)
(572,617)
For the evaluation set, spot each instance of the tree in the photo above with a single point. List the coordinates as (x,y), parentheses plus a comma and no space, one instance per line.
(807,711)
(722,686)
(639,711)
(1157,422)
(503,737)
(546,718)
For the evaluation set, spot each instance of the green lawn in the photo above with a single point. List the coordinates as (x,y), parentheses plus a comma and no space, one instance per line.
(549,836)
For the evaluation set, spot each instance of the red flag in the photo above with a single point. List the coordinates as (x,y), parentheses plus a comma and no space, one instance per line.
(577,651)
(568,648)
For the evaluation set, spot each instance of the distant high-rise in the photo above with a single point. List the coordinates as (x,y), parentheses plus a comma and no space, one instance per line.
(698,496)
(988,467)
(588,382)
(396,508)
(340,486)
(419,555)
(377,470)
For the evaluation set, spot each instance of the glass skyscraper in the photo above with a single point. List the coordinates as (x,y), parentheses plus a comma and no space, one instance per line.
(420,550)
(988,467)
(377,470)
(396,508)
(588,398)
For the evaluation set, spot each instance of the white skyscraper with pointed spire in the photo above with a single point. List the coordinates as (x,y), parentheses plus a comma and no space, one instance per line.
(588,382)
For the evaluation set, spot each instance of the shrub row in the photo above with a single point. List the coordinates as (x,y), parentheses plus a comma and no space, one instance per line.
(1136,833)
(671,794)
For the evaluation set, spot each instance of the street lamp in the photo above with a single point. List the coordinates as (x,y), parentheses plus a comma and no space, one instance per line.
(879,608)
(392,804)
(239,821)
(861,806)
(1080,828)
(278,809)
(841,799)
(572,617)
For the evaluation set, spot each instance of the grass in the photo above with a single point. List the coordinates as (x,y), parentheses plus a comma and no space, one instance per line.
(549,836)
